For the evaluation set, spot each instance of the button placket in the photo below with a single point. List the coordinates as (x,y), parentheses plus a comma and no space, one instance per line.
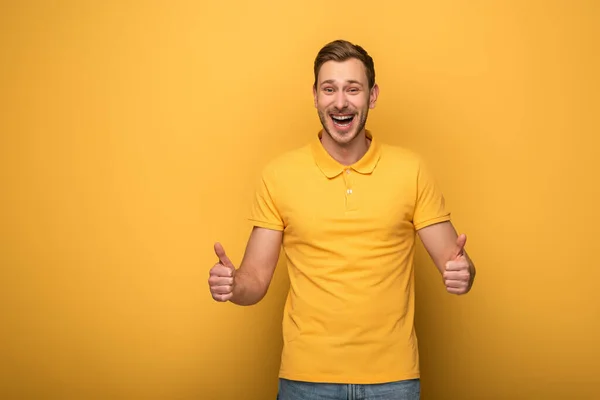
(350,196)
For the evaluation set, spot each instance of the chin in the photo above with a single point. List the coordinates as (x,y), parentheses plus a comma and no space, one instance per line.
(342,138)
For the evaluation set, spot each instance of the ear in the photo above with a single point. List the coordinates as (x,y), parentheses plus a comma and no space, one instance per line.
(315,95)
(373,96)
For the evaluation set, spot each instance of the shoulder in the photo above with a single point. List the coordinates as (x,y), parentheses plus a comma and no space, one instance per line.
(409,165)
(285,164)
(399,156)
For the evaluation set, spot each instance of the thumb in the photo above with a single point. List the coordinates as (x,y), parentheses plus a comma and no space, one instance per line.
(223,259)
(461,240)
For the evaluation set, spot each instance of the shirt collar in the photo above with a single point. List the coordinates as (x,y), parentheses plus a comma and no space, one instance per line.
(331,168)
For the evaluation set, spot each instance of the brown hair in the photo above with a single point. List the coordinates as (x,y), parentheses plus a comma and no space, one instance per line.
(342,50)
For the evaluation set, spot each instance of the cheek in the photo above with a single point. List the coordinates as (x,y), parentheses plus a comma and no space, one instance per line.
(361,103)
(320,102)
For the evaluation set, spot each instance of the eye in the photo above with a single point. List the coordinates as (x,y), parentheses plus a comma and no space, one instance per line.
(353,90)
(328,90)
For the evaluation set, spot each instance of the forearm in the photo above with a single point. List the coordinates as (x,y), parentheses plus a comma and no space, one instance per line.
(248,289)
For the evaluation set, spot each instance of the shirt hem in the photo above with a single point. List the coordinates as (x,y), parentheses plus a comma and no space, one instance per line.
(349,379)
(267,225)
(432,221)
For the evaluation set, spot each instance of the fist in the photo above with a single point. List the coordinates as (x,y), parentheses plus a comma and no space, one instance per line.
(457,276)
(221,280)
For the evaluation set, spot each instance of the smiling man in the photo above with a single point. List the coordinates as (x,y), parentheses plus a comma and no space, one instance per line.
(346,209)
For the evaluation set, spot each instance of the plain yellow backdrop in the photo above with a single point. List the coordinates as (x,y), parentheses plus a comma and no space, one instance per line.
(132,134)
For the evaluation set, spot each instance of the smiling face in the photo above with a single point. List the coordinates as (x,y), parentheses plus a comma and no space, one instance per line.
(343,99)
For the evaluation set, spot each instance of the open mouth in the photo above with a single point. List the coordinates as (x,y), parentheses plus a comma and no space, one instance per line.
(342,121)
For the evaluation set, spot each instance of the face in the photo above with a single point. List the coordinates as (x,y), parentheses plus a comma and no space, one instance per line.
(343,99)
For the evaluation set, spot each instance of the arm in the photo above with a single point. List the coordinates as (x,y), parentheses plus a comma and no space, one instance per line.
(446,249)
(254,276)
(248,284)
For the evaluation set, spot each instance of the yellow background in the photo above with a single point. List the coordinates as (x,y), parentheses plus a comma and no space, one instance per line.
(132,134)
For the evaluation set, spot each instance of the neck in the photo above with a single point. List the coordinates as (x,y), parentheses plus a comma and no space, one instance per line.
(349,153)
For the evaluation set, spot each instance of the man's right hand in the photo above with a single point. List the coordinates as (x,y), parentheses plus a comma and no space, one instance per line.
(222,276)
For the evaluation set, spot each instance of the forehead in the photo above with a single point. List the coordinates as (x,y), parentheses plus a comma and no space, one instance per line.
(348,70)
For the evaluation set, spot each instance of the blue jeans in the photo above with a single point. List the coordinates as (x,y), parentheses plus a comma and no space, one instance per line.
(401,390)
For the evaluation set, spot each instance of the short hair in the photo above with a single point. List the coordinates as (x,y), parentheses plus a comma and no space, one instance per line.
(342,50)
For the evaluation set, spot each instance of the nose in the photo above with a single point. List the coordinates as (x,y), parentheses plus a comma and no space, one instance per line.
(341,102)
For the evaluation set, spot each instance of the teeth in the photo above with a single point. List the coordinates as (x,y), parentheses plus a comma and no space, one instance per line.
(342,117)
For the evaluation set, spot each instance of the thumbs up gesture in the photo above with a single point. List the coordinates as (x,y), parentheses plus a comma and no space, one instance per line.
(458,275)
(222,276)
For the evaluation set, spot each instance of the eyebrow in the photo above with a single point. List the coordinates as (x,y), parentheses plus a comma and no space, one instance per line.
(351,81)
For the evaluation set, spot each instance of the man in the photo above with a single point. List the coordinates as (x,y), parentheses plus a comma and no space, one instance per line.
(346,209)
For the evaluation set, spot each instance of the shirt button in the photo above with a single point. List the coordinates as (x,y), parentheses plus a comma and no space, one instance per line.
(349,191)
(347,171)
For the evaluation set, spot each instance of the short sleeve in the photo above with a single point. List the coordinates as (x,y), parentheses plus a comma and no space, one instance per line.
(263,211)
(430,207)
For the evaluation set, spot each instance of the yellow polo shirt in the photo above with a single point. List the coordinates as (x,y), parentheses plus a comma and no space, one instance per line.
(349,241)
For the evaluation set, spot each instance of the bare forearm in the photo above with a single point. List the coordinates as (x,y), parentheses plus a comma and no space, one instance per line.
(447,250)
(248,290)
(248,284)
